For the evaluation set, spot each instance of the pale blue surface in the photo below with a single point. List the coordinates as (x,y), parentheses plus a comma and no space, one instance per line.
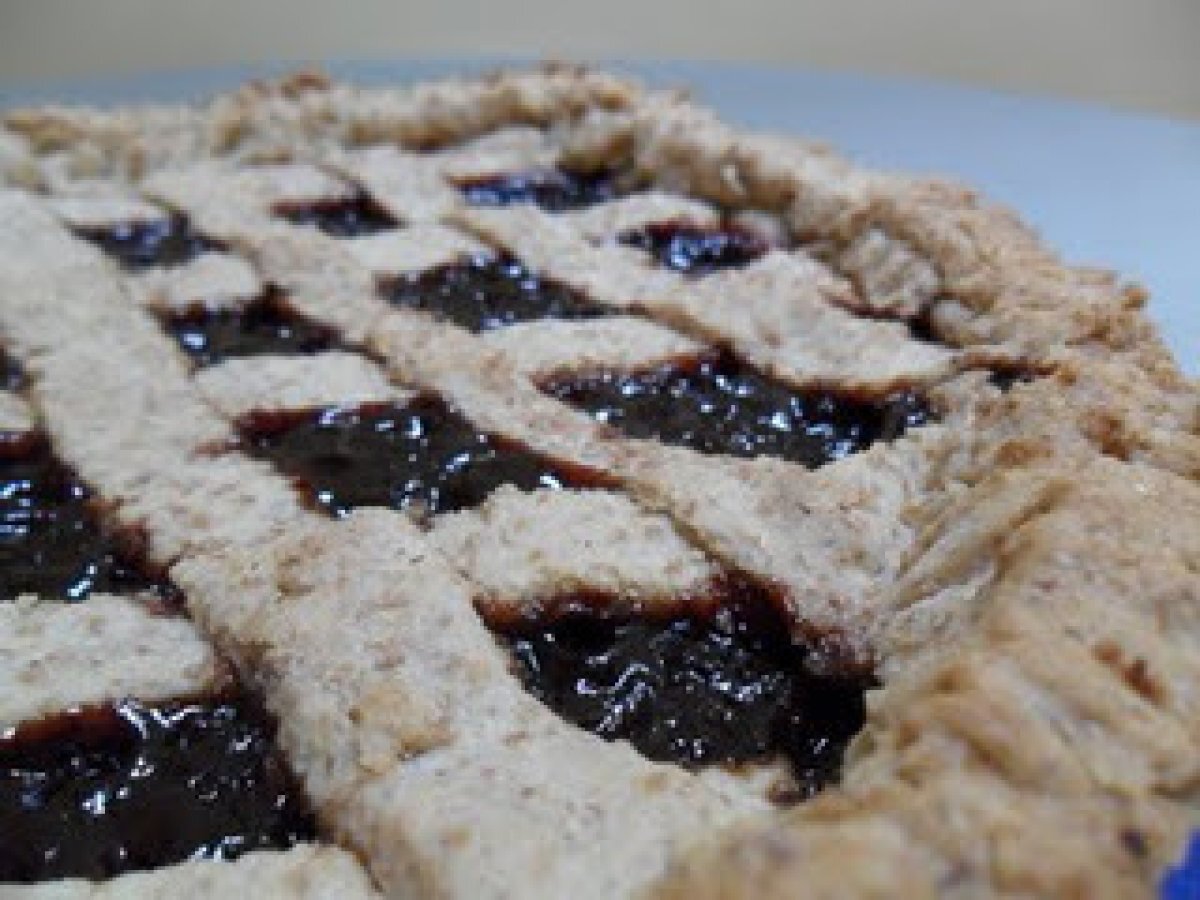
(1102,186)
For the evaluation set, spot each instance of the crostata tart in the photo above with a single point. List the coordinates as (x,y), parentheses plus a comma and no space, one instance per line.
(531,486)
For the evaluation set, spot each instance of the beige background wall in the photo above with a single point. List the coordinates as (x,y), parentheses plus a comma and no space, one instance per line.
(1132,53)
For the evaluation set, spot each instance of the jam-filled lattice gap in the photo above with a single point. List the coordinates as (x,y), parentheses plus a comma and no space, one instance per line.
(102,790)
(53,541)
(348,217)
(696,250)
(483,292)
(716,404)
(554,190)
(137,246)
(713,680)
(266,325)
(421,456)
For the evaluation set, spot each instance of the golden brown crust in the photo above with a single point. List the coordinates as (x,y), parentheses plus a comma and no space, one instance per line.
(1032,738)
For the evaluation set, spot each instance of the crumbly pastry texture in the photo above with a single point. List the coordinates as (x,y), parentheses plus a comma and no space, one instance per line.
(1021,575)
(306,871)
(53,656)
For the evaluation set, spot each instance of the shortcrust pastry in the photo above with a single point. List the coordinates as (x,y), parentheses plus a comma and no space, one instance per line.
(531,486)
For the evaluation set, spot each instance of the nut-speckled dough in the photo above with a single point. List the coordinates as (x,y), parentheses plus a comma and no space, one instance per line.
(55,655)
(526,549)
(268,383)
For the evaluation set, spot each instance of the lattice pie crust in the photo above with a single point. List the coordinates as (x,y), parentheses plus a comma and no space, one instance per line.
(1020,576)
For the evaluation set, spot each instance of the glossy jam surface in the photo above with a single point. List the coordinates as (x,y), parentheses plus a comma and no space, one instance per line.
(554,190)
(422,454)
(696,251)
(717,405)
(144,245)
(350,217)
(727,687)
(51,542)
(486,292)
(118,788)
(264,326)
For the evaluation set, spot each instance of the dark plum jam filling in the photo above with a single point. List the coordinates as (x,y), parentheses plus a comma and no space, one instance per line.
(422,455)
(554,190)
(717,405)
(725,686)
(12,376)
(486,292)
(266,325)
(51,541)
(693,250)
(1005,377)
(158,242)
(920,328)
(125,787)
(344,218)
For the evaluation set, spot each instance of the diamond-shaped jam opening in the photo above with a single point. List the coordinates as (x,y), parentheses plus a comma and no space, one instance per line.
(170,241)
(51,540)
(342,218)
(481,293)
(267,325)
(696,250)
(715,404)
(422,455)
(721,684)
(126,787)
(554,190)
